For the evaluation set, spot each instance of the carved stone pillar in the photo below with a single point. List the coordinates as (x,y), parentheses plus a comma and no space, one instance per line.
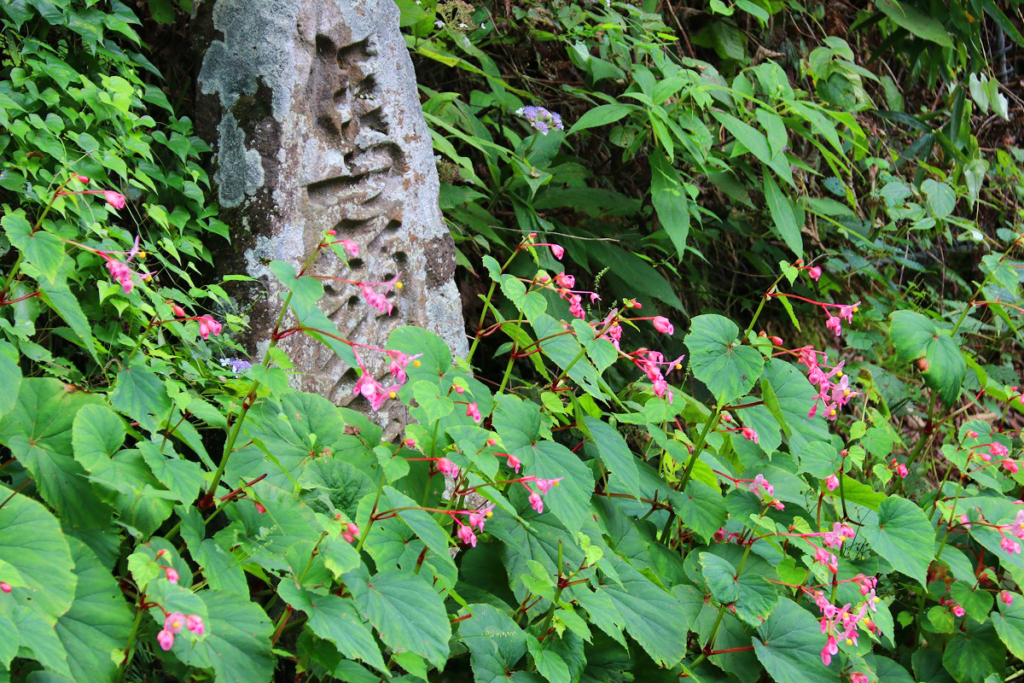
(312,109)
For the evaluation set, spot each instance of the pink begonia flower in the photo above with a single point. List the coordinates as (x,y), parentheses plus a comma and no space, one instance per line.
(1010,466)
(567,281)
(831,648)
(194,623)
(965,521)
(260,508)
(166,639)
(174,622)
(410,443)
(545,485)
(478,518)
(558,251)
(663,325)
(5,587)
(82,179)
(171,573)
(902,470)
(1006,597)
(846,312)
(859,678)
(832,482)
(761,484)
(826,559)
(115,199)
(814,272)
(207,326)
(576,307)
(399,361)
(178,311)
(350,247)
(835,324)
(466,535)
(372,390)
(997,449)
(514,463)
(536,503)
(447,467)
(1009,545)
(749,434)
(350,532)
(377,300)
(473,412)
(958,611)
(719,535)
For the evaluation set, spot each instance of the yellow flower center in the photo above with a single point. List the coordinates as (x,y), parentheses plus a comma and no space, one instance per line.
(855,308)
(392,395)
(148,278)
(416,363)
(877,599)
(832,412)
(489,514)
(176,624)
(142,255)
(556,482)
(846,392)
(849,641)
(398,285)
(839,374)
(679,366)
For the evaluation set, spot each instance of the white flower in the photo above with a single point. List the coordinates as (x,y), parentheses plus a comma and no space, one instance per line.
(439,24)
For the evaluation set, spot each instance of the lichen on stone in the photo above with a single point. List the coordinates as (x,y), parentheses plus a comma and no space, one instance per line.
(239,170)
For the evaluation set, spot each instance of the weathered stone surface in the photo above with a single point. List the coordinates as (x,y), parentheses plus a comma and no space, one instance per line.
(312,108)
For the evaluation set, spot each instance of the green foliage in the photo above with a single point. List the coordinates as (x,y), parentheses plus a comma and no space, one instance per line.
(818,490)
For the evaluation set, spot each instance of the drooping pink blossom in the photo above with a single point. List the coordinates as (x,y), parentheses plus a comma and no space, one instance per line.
(447,467)
(514,463)
(473,411)
(350,247)
(171,574)
(466,535)
(546,485)
(5,587)
(207,326)
(350,532)
(759,485)
(1006,597)
(749,434)
(260,508)
(194,623)
(115,199)
(958,611)
(557,251)
(835,324)
(1010,546)
(564,280)
(376,299)
(478,518)
(832,482)
(166,639)
(536,503)
(814,272)
(663,325)
(831,648)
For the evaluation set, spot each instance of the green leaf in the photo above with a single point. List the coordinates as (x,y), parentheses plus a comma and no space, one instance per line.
(601,115)
(530,304)
(495,643)
(789,646)
(42,249)
(750,594)
(570,499)
(783,215)
(650,614)
(1009,624)
(615,454)
(99,622)
(10,377)
(237,640)
(336,620)
(422,523)
(746,135)
(820,459)
(914,20)
(141,395)
(914,336)
(38,432)
(670,201)
(900,532)
(97,433)
(977,603)
(941,197)
(728,368)
(407,613)
(701,508)
(974,654)
(34,548)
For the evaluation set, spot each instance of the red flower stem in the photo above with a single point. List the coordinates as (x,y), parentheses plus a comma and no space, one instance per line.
(20,298)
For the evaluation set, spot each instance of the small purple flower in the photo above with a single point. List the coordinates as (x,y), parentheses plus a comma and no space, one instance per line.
(540,118)
(236,365)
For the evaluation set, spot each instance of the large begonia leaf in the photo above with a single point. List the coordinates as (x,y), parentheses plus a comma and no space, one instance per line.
(718,359)
(495,642)
(38,432)
(1009,624)
(914,336)
(789,646)
(900,532)
(974,653)
(236,643)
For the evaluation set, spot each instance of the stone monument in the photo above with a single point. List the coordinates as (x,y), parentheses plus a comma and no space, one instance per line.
(312,109)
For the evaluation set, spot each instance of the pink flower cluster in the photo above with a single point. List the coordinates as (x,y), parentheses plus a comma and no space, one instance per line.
(173,623)
(833,395)
(350,531)
(207,323)
(543,486)
(760,487)
(120,271)
(377,299)
(953,606)
(651,363)
(477,519)
(842,624)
